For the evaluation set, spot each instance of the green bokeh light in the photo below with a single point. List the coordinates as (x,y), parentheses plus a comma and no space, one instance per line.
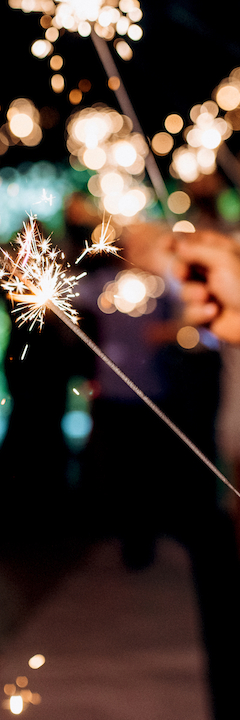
(228,205)
(38,188)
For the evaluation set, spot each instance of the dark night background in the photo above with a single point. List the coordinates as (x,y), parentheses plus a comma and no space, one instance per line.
(186,50)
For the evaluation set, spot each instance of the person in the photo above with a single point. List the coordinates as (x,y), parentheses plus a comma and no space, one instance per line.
(208,266)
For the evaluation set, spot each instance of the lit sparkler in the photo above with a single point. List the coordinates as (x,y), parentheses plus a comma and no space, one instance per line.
(37,276)
(42,283)
(104,244)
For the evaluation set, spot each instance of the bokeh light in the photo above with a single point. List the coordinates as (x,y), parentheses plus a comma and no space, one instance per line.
(23,125)
(36,661)
(75,96)
(184,226)
(228,96)
(122,25)
(179,202)
(206,160)
(22,188)
(35,698)
(124,153)
(26,696)
(185,164)
(107,20)
(52,34)
(211,138)
(123,49)
(41,48)
(22,681)
(202,140)
(84,85)
(45,21)
(84,28)
(103,141)
(76,426)
(133,292)
(135,32)
(228,205)
(173,123)
(56,62)
(114,82)
(57,83)
(112,183)
(188,337)
(16,704)
(9,688)
(162,143)
(94,158)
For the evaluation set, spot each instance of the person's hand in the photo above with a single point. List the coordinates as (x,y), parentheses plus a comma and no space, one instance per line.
(149,246)
(208,264)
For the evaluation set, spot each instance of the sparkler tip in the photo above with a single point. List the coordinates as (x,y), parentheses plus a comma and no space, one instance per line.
(37,277)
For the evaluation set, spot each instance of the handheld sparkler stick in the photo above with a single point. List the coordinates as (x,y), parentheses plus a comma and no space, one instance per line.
(229,163)
(126,106)
(92,345)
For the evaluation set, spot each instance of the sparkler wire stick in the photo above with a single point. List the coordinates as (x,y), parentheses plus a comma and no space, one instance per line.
(229,163)
(127,108)
(185,439)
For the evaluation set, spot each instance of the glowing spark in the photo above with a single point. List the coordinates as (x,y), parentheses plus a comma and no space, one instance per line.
(24,351)
(104,244)
(76,391)
(45,198)
(26,240)
(36,277)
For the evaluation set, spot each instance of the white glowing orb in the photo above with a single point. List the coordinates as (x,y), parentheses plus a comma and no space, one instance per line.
(112,183)
(194,137)
(108,15)
(16,704)
(84,28)
(131,288)
(206,157)
(94,159)
(36,661)
(41,48)
(186,165)
(211,138)
(111,204)
(122,25)
(135,32)
(21,125)
(92,129)
(184,226)
(124,153)
(132,202)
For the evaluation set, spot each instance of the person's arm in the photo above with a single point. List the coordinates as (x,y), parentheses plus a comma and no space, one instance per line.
(209,268)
